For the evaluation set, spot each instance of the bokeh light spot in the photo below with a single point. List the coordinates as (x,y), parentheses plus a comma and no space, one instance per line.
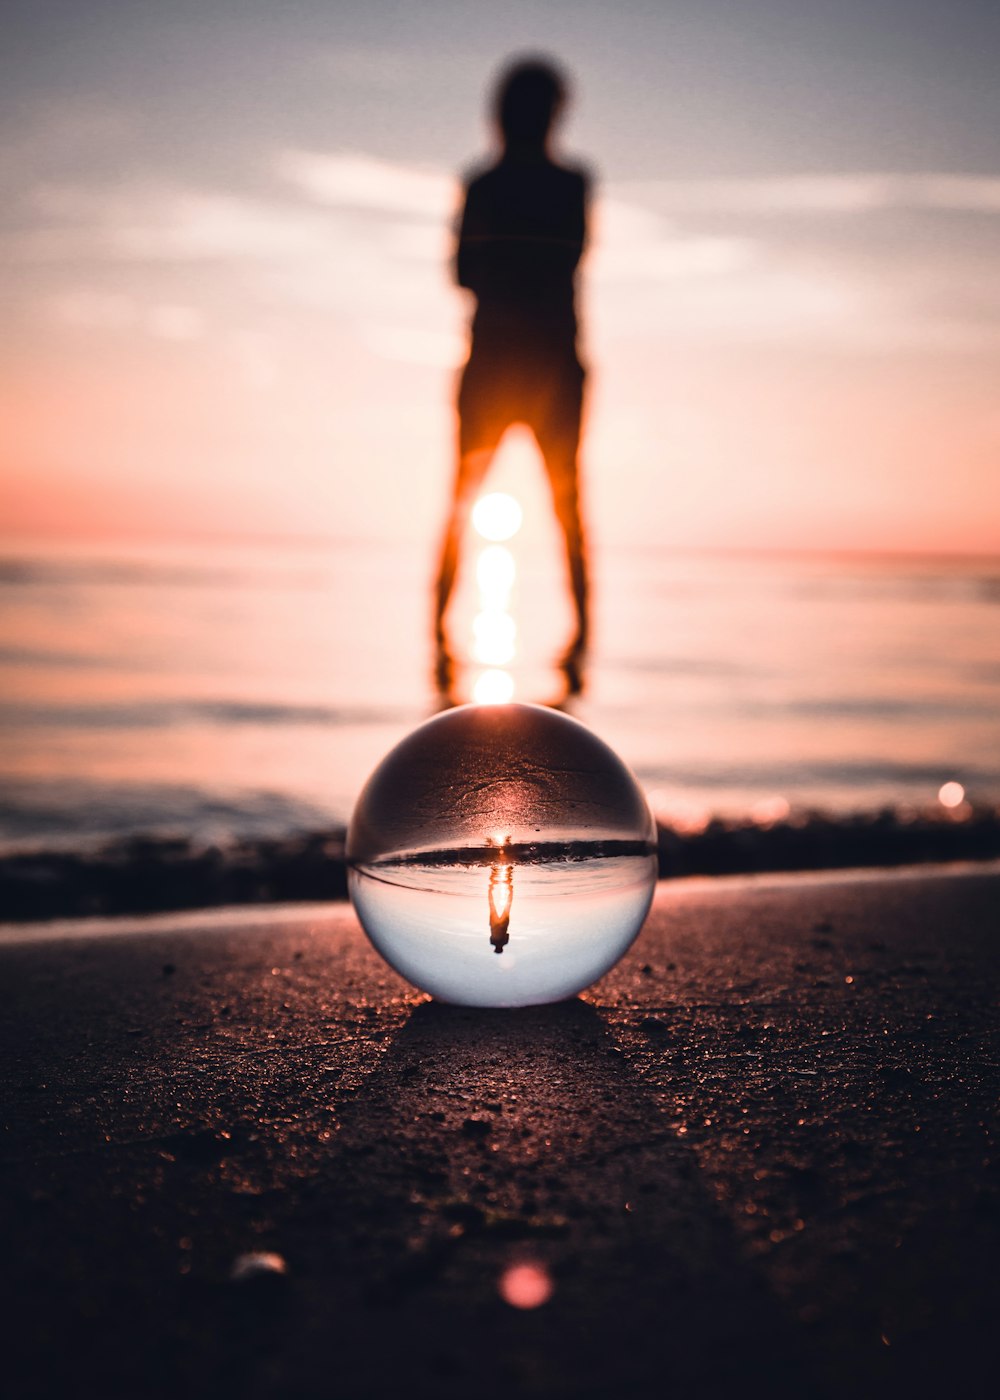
(525,1285)
(495,573)
(768,811)
(495,636)
(497,516)
(494,687)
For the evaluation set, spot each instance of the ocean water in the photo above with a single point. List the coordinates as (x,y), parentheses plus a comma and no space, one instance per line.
(217,690)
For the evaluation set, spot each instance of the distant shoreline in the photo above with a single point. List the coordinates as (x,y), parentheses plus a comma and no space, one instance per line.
(154,874)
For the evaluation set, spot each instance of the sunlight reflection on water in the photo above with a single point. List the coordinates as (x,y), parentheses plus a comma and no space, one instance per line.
(216,689)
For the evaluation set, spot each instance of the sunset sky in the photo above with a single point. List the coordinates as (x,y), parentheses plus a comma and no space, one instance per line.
(223,259)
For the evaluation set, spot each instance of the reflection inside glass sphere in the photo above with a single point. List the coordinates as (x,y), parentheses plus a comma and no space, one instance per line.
(501,897)
(480,801)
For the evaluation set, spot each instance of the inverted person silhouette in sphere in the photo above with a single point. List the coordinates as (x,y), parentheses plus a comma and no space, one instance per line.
(522,233)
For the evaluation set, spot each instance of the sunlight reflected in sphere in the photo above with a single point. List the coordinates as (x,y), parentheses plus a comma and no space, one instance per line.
(501,855)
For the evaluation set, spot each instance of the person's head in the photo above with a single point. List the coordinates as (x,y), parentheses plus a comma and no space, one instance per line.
(529,96)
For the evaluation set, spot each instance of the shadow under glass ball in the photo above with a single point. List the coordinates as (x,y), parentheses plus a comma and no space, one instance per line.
(501,855)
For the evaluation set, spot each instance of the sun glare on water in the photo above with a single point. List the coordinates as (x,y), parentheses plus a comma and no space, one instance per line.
(494,687)
(497,516)
(495,638)
(495,574)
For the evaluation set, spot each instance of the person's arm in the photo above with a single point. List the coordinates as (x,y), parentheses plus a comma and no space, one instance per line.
(472,233)
(580,218)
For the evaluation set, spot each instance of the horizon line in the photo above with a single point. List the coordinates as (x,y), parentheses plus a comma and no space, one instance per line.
(21,539)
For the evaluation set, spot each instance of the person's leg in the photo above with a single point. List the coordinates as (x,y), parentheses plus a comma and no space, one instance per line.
(558,436)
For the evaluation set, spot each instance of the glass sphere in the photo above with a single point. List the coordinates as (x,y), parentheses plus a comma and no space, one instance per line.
(501,855)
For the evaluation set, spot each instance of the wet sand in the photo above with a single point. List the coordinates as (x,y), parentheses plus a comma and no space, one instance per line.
(757,1159)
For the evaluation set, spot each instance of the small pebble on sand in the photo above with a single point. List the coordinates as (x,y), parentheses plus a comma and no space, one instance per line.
(255,1266)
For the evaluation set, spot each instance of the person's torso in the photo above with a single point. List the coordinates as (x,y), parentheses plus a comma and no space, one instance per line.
(525,233)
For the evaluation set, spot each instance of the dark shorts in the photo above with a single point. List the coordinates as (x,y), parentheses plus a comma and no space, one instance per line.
(542,391)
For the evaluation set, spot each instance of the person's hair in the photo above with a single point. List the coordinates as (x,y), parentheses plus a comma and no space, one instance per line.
(529,94)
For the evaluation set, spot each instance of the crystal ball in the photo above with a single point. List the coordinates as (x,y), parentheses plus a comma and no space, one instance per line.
(501,855)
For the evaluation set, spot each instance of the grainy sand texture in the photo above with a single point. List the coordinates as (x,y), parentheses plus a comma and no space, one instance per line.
(241,1157)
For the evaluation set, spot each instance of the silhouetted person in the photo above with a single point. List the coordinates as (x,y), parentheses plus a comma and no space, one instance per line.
(522,232)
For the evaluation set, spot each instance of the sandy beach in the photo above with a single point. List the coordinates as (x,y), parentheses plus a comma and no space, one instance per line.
(757,1158)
